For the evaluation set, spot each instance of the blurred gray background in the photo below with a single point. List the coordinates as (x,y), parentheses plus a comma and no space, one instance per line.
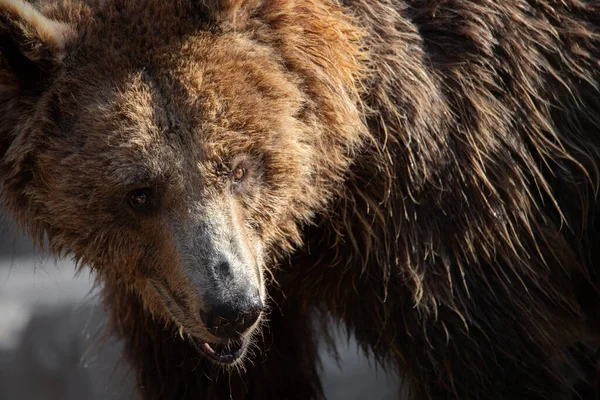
(51,330)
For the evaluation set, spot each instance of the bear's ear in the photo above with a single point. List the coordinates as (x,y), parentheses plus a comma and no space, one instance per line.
(32,46)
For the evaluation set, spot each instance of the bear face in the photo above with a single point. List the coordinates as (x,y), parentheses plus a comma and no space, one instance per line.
(171,153)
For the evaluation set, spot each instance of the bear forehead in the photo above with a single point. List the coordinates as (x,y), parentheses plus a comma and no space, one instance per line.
(166,95)
(206,86)
(165,120)
(206,80)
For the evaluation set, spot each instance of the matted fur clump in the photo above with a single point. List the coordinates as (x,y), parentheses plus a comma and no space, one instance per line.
(425,172)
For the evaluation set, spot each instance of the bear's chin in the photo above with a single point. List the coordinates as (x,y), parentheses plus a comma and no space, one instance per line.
(228,353)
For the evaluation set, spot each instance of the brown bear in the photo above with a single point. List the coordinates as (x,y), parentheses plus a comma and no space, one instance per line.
(235,171)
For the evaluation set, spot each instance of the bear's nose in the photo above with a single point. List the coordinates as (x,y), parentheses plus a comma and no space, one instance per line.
(231,320)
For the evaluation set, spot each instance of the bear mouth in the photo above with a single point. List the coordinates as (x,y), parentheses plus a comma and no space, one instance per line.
(225,353)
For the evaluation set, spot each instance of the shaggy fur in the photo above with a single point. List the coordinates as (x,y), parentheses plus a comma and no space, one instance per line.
(423,171)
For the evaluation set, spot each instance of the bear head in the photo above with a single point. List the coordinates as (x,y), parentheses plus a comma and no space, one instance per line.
(177,147)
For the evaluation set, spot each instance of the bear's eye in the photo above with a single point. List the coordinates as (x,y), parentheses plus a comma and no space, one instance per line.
(140,199)
(238,174)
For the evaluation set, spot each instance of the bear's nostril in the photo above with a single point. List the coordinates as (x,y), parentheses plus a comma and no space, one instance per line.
(231,321)
(224,269)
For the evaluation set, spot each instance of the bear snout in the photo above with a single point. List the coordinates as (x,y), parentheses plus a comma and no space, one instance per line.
(231,319)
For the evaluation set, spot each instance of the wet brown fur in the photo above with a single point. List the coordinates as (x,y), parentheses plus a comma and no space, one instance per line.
(429,177)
